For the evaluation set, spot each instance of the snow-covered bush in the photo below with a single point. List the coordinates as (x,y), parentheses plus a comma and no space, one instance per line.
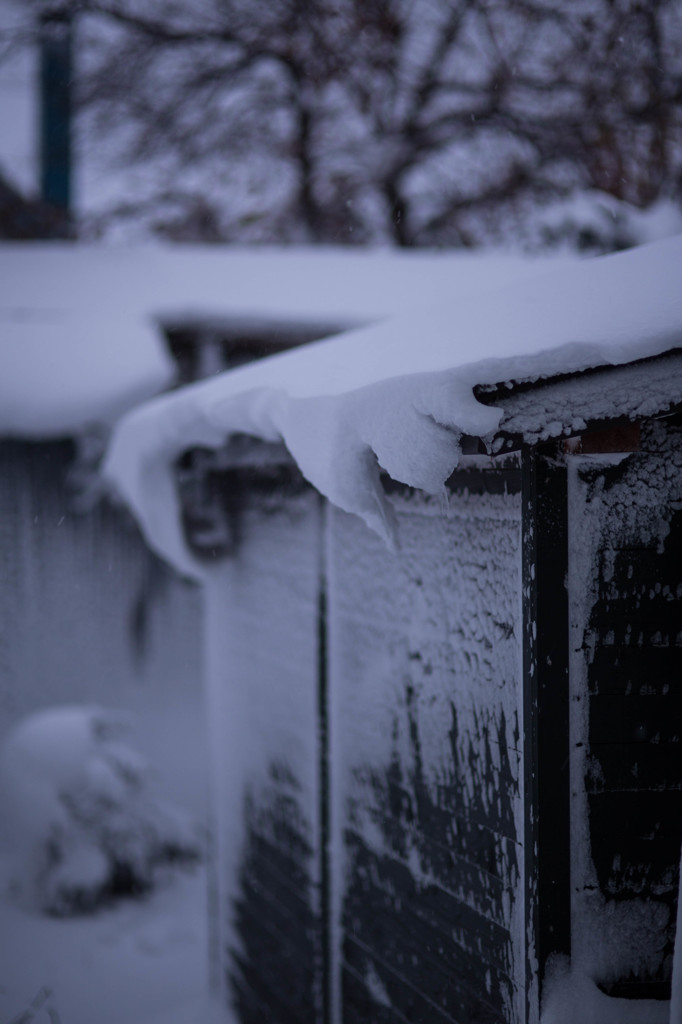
(595,222)
(80,816)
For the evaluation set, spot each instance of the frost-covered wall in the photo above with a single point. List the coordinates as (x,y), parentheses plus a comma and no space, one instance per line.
(367,758)
(88,614)
(262,642)
(625,586)
(426,768)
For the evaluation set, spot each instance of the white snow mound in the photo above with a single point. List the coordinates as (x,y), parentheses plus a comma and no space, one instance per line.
(79,815)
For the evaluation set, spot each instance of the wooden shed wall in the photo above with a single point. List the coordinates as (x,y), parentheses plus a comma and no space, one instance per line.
(625,585)
(422,826)
(263,614)
(427,766)
(367,738)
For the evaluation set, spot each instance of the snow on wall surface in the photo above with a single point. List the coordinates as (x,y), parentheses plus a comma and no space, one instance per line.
(399,396)
(426,765)
(625,591)
(88,615)
(262,614)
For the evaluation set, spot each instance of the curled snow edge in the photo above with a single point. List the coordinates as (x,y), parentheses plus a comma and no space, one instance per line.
(399,396)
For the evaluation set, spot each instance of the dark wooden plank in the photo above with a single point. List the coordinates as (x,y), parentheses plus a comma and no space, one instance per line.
(278,871)
(632,642)
(636,840)
(433,940)
(434,915)
(653,816)
(633,632)
(325,950)
(636,718)
(285,995)
(252,1008)
(456,875)
(485,481)
(634,766)
(435,999)
(278,934)
(447,980)
(472,829)
(361,1008)
(495,479)
(641,571)
(545,713)
(291,921)
(625,670)
(643,615)
(292,871)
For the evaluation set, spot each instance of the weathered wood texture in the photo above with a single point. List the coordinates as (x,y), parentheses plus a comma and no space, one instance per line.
(425,691)
(263,610)
(626,629)
(89,615)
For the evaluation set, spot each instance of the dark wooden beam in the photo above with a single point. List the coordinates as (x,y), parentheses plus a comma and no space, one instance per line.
(545,712)
(325,949)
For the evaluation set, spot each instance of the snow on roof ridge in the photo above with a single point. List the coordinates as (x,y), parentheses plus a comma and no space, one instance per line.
(399,395)
(64,370)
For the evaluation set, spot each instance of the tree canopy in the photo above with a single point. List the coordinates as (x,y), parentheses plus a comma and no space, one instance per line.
(414,122)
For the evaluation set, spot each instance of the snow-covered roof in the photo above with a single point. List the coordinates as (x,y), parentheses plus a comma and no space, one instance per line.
(399,396)
(61,372)
(79,334)
(67,360)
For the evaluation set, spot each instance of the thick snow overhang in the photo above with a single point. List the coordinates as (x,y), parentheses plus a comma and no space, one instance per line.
(406,396)
(81,326)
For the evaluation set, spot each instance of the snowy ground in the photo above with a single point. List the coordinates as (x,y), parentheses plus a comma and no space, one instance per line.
(138,963)
(141,961)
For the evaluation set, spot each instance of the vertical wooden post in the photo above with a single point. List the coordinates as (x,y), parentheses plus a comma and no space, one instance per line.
(545,716)
(325,966)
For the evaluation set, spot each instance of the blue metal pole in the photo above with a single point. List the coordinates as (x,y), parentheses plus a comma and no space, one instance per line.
(55,111)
